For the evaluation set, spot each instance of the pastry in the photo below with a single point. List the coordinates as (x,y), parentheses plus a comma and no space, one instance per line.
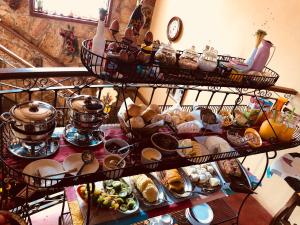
(203,175)
(208,175)
(146,186)
(174,181)
(214,181)
(194,177)
(210,169)
(143,107)
(155,108)
(189,117)
(253,138)
(134,110)
(137,122)
(231,167)
(176,119)
(148,115)
(182,114)
(150,193)
(202,170)
(202,178)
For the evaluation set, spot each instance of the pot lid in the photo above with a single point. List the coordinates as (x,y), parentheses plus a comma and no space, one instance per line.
(86,103)
(33,111)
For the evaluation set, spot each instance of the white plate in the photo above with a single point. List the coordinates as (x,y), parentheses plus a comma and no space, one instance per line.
(48,166)
(75,161)
(202,213)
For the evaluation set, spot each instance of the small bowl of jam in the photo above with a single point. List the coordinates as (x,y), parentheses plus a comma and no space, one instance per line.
(165,143)
(114,145)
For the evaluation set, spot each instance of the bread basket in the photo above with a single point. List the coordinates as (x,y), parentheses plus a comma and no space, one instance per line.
(145,131)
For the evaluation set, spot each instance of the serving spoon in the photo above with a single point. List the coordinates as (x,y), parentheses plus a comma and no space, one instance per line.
(87,158)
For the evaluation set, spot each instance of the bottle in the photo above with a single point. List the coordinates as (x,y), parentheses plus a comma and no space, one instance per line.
(98,46)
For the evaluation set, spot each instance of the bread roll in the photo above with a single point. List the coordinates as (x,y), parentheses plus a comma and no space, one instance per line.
(176,119)
(148,115)
(134,110)
(167,118)
(136,122)
(143,107)
(157,118)
(182,114)
(189,117)
(155,108)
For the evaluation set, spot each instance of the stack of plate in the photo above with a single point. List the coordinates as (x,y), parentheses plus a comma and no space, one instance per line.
(200,214)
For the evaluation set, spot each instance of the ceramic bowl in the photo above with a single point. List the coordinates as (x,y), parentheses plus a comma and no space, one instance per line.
(165,143)
(147,154)
(111,172)
(116,141)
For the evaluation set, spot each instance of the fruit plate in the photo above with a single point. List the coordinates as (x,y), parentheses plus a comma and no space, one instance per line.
(109,203)
(161,196)
(125,192)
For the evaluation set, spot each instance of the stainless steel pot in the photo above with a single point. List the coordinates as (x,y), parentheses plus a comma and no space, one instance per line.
(32,121)
(86,112)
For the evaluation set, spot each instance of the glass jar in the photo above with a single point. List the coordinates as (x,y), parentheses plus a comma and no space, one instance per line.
(189,59)
(289,126)
(166,55)
(208,60)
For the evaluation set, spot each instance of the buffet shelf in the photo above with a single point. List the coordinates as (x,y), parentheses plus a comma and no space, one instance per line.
(14,166)
(78,209)
(116,71)
(222,213)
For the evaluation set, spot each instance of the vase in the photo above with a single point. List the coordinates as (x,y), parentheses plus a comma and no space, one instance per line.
(261,56)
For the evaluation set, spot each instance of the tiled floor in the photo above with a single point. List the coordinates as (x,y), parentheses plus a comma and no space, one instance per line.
(253,213)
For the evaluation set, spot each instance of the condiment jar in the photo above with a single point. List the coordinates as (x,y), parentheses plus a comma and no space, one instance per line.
(189,59)
(166,55)
(209,59)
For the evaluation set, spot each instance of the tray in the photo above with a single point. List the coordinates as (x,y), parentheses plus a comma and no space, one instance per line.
(161,196)
(205,188)
(188,188)
(238,184)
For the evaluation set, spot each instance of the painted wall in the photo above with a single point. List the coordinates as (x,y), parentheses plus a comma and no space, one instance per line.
(44,32)
(229,26)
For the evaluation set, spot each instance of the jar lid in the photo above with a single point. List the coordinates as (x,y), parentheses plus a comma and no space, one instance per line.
(33,111)
(86,103)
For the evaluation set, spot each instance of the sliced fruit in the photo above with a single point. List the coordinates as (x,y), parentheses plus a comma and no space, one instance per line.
(123,208)
(253,138)
(123,193)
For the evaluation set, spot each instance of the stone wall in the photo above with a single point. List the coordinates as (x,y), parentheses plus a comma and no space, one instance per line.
(44,32)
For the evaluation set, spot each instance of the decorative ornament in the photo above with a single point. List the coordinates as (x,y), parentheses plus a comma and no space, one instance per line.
(174,28)
(70,45)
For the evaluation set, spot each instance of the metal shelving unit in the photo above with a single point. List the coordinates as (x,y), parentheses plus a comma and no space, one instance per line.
(232,91)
